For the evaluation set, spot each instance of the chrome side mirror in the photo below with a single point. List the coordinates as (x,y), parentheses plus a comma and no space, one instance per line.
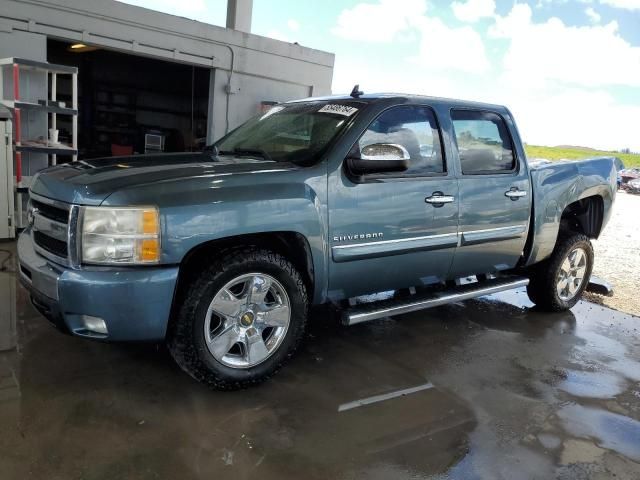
(384,151)
(380,158)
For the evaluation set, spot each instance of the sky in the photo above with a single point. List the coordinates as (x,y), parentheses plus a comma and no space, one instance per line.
(569,70)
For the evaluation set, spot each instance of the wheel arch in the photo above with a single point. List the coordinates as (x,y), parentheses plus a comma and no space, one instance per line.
(290,244)
(584,216)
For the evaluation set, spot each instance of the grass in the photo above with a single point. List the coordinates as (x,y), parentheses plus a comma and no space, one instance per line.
(576,153)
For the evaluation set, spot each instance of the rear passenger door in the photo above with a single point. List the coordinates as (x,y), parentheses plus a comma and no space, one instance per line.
(495,197)
(394,230)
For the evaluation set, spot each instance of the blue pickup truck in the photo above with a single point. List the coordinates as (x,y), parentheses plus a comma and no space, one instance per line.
(220,253)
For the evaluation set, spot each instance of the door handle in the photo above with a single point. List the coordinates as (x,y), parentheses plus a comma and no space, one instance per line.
(514,194)
(438,199)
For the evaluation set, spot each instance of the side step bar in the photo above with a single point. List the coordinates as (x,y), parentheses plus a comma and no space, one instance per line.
(386,308)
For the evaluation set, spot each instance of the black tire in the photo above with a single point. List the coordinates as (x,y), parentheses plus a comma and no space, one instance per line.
(543,277)
(185,337)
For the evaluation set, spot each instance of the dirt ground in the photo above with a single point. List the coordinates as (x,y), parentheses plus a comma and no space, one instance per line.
(617,254)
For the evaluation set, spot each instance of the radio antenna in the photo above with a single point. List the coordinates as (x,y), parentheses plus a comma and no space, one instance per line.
(356,92)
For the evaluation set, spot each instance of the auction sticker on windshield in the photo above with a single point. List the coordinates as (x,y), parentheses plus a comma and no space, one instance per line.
(345,110)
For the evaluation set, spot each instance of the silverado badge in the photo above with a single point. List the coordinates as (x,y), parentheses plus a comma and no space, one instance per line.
(357,236)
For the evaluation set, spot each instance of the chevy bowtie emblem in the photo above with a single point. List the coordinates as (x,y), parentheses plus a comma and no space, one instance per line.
(31,216)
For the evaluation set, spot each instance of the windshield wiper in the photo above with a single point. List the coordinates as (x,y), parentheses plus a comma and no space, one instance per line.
(246,152)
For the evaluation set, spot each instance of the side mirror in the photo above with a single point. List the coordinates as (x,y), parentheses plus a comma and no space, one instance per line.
(380,158)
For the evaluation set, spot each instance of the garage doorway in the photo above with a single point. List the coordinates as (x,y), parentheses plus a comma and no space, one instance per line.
(130,104)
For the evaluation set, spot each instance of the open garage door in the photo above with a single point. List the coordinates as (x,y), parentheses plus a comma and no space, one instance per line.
(130,104)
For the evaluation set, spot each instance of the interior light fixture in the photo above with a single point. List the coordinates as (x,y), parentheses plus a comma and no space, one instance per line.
(81,47)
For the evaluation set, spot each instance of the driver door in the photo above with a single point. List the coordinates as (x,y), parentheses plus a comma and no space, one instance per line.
(391,230)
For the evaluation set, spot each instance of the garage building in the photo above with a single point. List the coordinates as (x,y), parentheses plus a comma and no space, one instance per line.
(145,75)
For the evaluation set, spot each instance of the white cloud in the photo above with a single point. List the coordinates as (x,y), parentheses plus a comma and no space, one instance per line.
(589,55)
(473,10)
(573,116)
(625,4)
(593,15)
(446,48)
(440,47)
(378,22)
(374,76)
(546,115)
(293,25)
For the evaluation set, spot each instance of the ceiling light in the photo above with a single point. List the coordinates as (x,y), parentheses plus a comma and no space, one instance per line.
(81,47)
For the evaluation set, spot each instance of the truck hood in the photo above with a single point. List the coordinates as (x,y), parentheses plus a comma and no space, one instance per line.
(89,182)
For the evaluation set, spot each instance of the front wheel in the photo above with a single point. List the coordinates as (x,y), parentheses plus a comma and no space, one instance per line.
(240,320)
(557,283)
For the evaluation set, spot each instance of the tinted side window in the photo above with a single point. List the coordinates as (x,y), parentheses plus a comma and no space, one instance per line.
(484,144)
(413,127)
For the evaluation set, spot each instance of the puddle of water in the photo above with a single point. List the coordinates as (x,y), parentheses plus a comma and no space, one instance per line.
(627,367)
(592,384)
(596,344)
(609,430)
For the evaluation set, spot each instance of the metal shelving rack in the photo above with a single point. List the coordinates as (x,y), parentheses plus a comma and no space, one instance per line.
(13,100)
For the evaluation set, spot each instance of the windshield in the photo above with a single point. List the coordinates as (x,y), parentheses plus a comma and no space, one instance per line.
(297,132)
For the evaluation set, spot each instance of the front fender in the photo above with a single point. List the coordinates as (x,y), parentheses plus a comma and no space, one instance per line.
(198,210)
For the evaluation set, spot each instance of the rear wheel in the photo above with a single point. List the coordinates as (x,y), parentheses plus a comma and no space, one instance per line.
(557,283)
(240,320)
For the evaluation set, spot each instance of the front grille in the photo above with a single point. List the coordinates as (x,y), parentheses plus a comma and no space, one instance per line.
(52,213)
(50,227)
(50,244)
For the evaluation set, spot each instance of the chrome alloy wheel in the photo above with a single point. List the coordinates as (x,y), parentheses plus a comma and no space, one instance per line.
(571,275)
(247,320)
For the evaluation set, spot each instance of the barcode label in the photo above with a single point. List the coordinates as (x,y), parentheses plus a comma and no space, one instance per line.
(344,110)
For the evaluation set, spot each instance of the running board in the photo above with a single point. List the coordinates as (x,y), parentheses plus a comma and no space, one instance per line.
(386,308)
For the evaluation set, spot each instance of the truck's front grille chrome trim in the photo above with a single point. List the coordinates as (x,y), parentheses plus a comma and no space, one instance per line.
(51,212)
(50,228)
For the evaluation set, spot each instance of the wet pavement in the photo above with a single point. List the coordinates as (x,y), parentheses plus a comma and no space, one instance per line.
(486,389)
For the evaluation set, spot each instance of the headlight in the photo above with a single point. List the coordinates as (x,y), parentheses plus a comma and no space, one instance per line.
(120,235)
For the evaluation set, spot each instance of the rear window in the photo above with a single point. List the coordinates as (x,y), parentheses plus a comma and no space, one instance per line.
(484,143)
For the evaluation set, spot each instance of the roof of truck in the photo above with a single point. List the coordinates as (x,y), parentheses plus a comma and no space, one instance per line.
(373,97)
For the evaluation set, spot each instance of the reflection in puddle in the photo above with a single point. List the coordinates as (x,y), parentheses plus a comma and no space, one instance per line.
(609,430)
(595,344)
(591,384)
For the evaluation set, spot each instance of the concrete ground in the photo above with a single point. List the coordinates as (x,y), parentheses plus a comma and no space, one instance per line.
(493,390)
(617,255)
